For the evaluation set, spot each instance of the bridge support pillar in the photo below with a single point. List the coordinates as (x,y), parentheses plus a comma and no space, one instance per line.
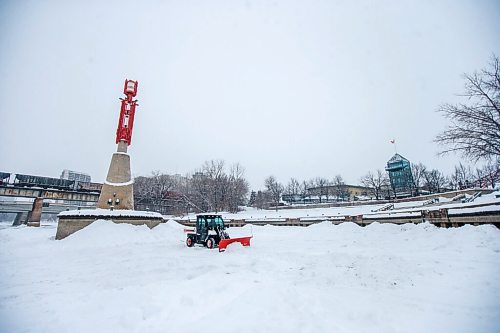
(36,213)
(21,218)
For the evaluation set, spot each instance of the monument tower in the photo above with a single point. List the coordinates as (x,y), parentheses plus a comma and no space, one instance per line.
(118,189)
(116,202)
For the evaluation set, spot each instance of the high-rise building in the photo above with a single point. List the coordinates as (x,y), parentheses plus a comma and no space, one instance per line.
(399,170)
(74,175)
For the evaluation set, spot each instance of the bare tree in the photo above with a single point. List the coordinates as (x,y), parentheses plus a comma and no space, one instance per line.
(216,181)
(262,199)
(321,190)
(481,177)
(154,190)
(293,187)
(489,174)
(492,172)
(199,189)
(185,188)
(339,188)
(418,171)
(216,190)
(474,129)
(275,189)
(376,182)
(210,188)
(292,190)
(462,177)
(304,190)
(434,181)
(238,188)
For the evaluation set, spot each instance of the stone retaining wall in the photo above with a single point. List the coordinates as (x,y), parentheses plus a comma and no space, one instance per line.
(70,224)
(438,218)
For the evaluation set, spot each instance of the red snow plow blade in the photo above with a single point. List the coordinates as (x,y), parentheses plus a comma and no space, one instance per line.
(245,241)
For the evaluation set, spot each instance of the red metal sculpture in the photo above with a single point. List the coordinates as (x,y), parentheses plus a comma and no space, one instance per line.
(126,121)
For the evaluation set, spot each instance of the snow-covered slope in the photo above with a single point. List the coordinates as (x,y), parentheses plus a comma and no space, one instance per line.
(324,278)
(368,209)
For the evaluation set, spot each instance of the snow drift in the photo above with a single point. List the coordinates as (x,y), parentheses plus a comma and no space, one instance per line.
(124,278)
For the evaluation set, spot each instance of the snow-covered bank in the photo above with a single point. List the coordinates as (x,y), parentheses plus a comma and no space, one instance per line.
(123,278)
(488,202)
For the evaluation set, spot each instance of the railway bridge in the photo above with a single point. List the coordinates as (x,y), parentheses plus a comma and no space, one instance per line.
(42,200)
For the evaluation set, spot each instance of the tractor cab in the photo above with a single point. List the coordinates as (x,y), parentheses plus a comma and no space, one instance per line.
(209,231)
(207,223)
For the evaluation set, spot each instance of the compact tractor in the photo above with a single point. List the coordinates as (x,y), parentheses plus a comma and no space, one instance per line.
(210,231)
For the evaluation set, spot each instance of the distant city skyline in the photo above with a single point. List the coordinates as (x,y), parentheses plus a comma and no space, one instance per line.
(286,88)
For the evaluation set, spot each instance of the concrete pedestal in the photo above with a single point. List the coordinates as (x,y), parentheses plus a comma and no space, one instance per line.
(118,189)
(72,221)
(116,202)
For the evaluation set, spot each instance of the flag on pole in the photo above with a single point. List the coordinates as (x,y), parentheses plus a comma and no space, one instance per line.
(393,141)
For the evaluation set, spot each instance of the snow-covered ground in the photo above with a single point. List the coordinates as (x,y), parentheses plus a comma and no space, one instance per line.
(250,213)
(323,278)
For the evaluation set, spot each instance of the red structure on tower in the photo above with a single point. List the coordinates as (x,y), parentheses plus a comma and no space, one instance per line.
(127,113)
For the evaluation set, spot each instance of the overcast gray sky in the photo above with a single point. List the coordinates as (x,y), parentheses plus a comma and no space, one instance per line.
(290,88)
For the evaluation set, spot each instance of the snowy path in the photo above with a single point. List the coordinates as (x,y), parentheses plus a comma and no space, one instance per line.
(381,278)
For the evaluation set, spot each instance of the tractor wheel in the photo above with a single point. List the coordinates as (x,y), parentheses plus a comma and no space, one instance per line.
(189,242)
(210,243)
